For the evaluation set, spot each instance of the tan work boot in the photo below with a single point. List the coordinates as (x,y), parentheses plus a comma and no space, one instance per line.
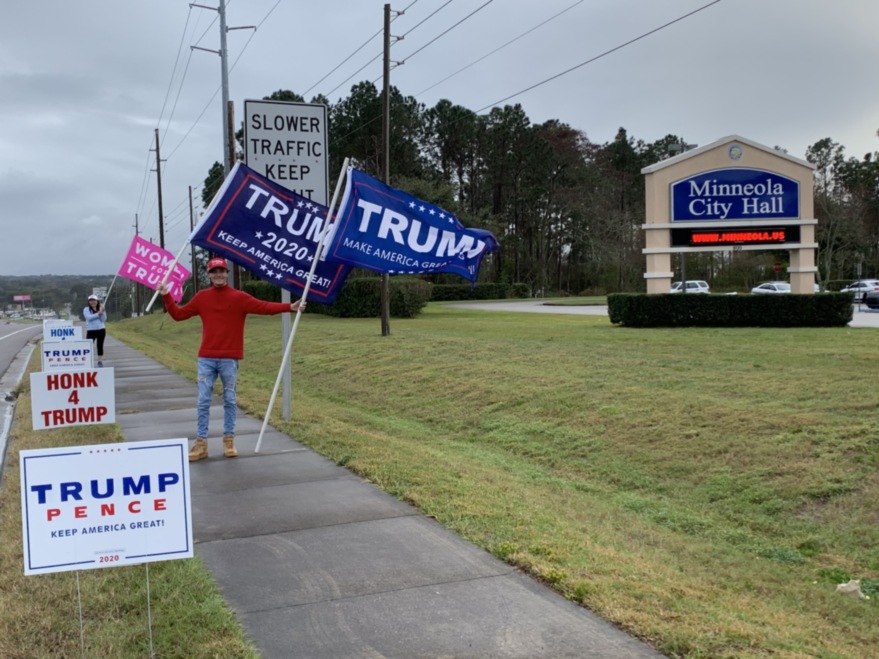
(229,449)
(199,450)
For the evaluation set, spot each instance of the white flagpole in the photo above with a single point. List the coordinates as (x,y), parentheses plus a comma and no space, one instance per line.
(165,278)
(204,219)
(112,283)
(107,296)
(317,255)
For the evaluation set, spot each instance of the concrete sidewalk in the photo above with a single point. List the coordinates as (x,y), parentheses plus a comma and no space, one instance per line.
(316,562)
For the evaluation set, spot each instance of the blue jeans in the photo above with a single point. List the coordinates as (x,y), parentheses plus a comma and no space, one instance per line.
(208,370)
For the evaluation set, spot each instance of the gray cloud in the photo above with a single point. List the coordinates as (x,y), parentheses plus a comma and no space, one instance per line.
(85,84)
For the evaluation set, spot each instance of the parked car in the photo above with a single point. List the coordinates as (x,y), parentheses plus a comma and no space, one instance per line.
(771,288)
(693,286)
(861,287)
(871,299)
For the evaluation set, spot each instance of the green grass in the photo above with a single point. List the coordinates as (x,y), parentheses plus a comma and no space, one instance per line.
(704,489)
(39,615)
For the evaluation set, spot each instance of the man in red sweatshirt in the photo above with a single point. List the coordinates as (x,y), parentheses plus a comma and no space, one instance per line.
(222,310)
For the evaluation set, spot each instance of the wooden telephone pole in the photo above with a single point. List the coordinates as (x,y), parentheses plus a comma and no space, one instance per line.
(386,162)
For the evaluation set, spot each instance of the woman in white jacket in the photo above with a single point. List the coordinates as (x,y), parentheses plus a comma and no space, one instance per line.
(95,317)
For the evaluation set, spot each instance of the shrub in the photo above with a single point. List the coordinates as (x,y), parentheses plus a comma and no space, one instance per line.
(263,290)
(520,291)
(450,292)
(361,298)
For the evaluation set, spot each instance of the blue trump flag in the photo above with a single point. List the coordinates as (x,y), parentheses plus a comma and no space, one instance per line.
(387,230)
(270,231)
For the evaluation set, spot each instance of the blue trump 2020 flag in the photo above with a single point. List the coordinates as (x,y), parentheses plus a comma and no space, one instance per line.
(270,231)
(387,230)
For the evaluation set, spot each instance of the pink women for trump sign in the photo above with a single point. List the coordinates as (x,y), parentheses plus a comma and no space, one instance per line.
(147,264)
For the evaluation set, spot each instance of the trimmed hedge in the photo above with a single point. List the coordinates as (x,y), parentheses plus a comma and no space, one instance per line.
(640,310)
(361,298)
(439,292)
(452,292)
(263,290)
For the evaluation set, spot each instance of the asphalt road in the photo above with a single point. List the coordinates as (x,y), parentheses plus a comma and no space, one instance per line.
(16,347)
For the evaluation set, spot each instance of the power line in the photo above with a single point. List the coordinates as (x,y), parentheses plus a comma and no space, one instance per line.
(353,74)
(361,47)
(217,91)
(174,69)
(371,121)
(177,98)
(623,45)
(424,20)
(379,54)
(597,57)
(336,68)
(143,185)
(527,32)
(415,27)
(442,34)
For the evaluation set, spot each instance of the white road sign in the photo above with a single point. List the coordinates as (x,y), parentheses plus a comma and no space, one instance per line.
(287,143)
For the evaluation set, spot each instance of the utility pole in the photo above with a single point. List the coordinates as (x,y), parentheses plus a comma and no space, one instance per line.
(137,288)
(230,154)
(228,130)
(191,246)
(386,162)
(224,64)
(159,187)
(228,140)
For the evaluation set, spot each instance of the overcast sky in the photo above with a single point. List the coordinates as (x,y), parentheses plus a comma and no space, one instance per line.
(83,86)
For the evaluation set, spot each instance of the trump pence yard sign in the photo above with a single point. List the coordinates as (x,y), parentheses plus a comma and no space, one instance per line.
(67,355)
(85,507)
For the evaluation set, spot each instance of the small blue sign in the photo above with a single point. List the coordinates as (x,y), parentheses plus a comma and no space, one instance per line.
(736,193)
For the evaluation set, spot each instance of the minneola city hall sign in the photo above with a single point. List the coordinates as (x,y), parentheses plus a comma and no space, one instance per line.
(733,194)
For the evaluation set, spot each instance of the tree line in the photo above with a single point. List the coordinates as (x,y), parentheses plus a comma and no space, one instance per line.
(568,211)
(66,292)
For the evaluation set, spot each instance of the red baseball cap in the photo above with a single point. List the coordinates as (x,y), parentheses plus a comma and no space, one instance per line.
(217,263)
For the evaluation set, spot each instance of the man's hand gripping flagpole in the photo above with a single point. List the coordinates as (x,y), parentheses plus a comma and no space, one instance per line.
(318,252)
(167,275)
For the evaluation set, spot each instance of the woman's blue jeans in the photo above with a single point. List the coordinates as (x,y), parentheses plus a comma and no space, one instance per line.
(208,370)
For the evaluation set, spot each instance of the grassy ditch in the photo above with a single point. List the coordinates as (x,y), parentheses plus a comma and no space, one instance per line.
(705,489)
(39,615)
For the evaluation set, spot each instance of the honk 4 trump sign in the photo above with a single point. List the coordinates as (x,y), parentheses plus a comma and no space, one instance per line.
(105,505)
(72,398)
(57,329)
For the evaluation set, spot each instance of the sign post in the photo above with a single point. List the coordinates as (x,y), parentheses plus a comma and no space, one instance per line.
(287,143)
